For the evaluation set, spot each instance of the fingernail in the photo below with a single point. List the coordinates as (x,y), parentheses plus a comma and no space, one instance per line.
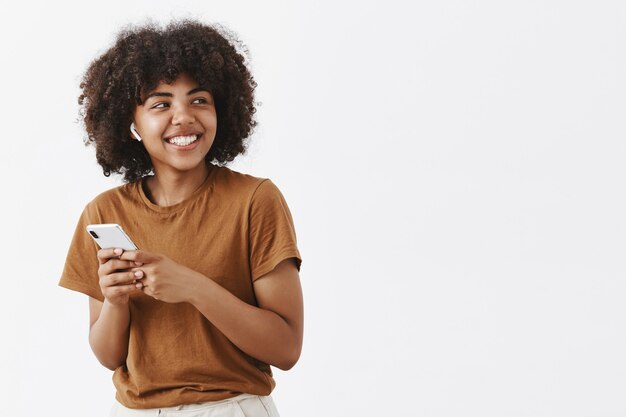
(138,263)
(139,285)
(138,274)
(117,251)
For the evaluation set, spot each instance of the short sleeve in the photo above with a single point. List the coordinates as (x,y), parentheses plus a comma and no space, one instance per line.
(271,231)
(80,272)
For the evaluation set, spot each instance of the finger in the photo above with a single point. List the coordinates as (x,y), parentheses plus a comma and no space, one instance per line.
(118,264)
(123,278)
(122,289)
(148,291)
(105,254)
(140,256)
(115,265)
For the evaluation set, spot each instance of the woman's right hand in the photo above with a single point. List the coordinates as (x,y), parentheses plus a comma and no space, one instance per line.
(117,280)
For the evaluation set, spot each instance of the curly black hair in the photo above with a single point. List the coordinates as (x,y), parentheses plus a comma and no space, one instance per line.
(139,60)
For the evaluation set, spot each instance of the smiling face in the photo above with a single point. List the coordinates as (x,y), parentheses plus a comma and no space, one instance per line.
(177,123)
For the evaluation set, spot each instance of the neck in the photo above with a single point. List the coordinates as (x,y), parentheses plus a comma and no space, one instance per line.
(167,188)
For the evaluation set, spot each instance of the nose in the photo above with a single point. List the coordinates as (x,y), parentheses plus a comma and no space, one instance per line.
(182,115)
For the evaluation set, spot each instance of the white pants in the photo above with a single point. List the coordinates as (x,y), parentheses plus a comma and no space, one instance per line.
(244,405)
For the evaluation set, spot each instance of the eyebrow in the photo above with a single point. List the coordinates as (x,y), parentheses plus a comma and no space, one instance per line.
(159,94)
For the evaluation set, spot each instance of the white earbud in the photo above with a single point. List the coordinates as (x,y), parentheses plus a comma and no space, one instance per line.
(134,132)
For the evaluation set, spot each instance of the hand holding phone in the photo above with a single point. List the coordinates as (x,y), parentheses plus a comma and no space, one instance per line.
(117,279)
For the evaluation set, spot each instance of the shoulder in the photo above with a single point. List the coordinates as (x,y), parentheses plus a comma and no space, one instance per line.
(242,184)
(112,199)
(247,190)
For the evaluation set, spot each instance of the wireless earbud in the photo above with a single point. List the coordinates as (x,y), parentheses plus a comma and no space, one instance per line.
(134,132)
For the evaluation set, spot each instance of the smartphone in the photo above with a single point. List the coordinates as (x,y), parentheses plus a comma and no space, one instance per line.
(110,236)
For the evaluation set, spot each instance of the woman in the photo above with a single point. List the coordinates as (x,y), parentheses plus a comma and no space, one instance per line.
(195,317)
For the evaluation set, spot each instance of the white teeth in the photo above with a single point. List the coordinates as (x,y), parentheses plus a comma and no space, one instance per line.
(183,140)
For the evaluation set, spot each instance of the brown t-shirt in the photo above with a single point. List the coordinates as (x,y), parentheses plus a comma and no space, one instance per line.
(234,229)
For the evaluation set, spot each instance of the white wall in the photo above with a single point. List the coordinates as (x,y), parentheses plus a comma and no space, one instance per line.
(456,175)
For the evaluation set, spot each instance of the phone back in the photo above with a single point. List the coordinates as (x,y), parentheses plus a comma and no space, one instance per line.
(110,236)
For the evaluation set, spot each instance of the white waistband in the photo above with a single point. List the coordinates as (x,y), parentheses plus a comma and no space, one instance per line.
(125,411)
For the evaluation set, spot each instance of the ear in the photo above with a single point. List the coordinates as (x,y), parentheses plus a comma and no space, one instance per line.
(133,131)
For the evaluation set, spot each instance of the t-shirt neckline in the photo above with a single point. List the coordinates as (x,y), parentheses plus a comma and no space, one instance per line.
(178,206)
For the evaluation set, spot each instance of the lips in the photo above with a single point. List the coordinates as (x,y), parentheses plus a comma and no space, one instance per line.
(182,133)
(182,140)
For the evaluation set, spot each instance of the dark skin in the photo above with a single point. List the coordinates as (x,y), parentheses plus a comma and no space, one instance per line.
(110,91)
(271,332)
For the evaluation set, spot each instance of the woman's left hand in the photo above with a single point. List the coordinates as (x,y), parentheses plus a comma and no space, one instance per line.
(163,279)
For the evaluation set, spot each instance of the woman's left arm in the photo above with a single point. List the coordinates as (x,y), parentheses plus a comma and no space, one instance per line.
(271,332)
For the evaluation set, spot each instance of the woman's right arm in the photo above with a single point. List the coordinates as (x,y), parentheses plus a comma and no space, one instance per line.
(109,321)
(108,332)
